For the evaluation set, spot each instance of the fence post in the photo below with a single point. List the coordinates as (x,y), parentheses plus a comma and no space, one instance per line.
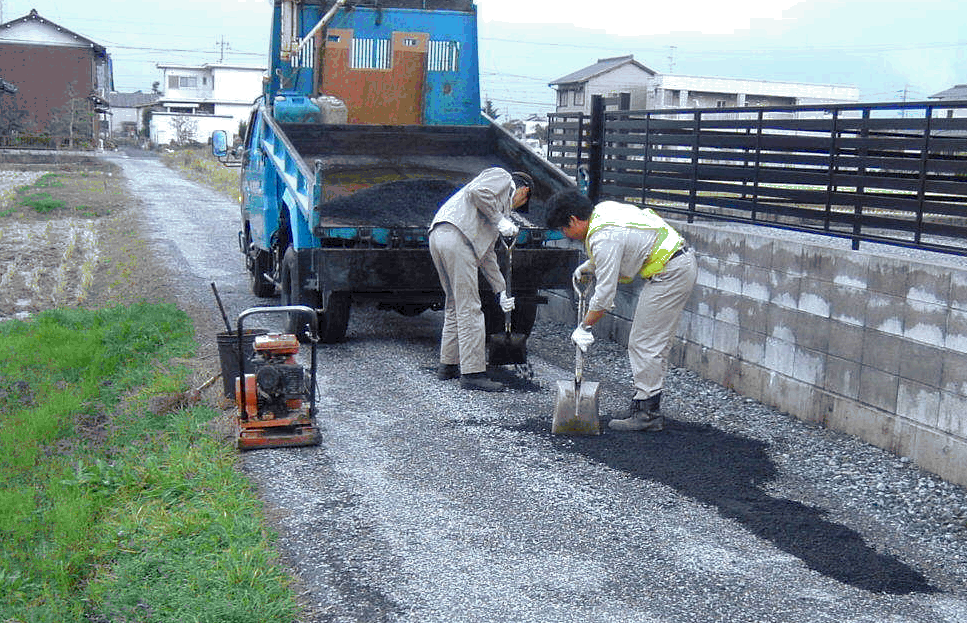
(860,172)
(758,161)
(596,148)
(922,186)
(580,145)
(693,192)
(646,158)
(831,172)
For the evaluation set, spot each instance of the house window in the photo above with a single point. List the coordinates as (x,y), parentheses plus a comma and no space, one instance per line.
(579,97)
(443,56)
(182,82)
(562,97)
(371,54)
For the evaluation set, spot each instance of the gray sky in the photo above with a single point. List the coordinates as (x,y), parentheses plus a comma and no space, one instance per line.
(889,49)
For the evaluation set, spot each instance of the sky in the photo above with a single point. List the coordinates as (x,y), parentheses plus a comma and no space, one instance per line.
(892,50)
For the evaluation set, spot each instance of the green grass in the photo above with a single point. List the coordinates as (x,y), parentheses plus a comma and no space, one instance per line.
(42,202)
(109,512)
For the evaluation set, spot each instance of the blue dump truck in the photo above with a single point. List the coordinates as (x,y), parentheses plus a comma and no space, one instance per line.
(369,120)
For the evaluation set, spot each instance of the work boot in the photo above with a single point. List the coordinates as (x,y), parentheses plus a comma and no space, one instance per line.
(644,415)
(447,371)
(479,380)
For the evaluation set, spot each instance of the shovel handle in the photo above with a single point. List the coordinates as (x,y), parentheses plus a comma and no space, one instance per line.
(582,304)
(510,262)
(578,365)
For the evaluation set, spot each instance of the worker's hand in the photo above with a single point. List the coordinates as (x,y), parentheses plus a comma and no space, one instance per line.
(583,273)
(507,228)
(506,302)
(582,338)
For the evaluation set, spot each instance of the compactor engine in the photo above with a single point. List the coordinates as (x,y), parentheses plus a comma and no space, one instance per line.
(276,402)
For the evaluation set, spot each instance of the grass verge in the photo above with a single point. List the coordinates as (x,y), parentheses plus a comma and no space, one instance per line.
(111,508)
(199,165)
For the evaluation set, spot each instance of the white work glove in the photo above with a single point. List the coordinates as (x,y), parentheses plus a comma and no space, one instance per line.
(582,338)
(506,302)
(583,272)
(507,228)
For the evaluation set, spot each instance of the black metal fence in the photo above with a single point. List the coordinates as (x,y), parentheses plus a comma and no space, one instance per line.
(893,173)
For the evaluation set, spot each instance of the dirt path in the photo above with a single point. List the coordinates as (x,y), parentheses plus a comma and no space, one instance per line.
(428,503)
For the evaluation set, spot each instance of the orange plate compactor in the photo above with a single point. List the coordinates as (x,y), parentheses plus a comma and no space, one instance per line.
(278,396)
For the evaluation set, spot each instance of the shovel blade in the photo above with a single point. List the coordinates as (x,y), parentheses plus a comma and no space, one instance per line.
(576,411)
(505,349)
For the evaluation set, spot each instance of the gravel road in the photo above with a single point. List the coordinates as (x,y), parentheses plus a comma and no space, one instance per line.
(432,504)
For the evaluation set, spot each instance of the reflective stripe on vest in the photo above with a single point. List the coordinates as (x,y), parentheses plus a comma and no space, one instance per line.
(614,214)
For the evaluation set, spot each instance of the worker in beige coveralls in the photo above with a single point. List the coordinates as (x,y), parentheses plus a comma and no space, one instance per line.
(623,242)
(462,238)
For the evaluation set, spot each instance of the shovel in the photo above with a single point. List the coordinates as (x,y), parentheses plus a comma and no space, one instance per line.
(576,411)
(507,348)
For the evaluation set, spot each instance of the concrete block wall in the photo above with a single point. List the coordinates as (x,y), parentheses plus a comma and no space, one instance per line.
(870,345)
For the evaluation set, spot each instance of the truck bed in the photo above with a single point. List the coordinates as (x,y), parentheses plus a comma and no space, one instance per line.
(397,176)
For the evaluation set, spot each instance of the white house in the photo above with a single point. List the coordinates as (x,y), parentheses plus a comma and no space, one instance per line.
(642,88)
(956,93)
(608,76)
(196,100)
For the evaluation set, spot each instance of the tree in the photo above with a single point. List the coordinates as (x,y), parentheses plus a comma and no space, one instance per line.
(74,120)
(185,129)
(146,115)
(13,118)
(489,110)
(156,87)
(541,132)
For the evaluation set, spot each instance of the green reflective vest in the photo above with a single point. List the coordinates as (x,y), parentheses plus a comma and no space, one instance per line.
(614,214)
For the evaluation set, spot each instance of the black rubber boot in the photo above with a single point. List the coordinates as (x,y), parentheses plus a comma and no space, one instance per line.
(644,415)
(479,381)
(447,371)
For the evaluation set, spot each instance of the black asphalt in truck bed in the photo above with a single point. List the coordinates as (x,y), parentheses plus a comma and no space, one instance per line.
(400,203)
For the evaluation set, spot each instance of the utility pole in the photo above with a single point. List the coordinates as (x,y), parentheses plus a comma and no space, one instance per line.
(222,44)
(671,59)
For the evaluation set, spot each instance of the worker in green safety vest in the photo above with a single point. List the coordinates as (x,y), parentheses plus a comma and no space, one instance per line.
(624,242)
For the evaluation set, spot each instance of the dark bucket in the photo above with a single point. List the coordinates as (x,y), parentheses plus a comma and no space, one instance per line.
(506,349)
(228,355)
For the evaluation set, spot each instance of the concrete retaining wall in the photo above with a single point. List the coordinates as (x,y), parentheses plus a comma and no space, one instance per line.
(871,345)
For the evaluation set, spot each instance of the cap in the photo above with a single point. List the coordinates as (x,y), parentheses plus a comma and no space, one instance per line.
(523,179)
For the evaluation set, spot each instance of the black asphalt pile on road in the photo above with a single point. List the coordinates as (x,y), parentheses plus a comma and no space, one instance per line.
(403,203)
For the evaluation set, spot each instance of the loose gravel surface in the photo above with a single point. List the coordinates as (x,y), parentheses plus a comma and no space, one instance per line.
(428,503)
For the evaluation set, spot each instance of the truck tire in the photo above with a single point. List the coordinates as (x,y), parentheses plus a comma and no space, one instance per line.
(294,294)
(334,321)
(259,264)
